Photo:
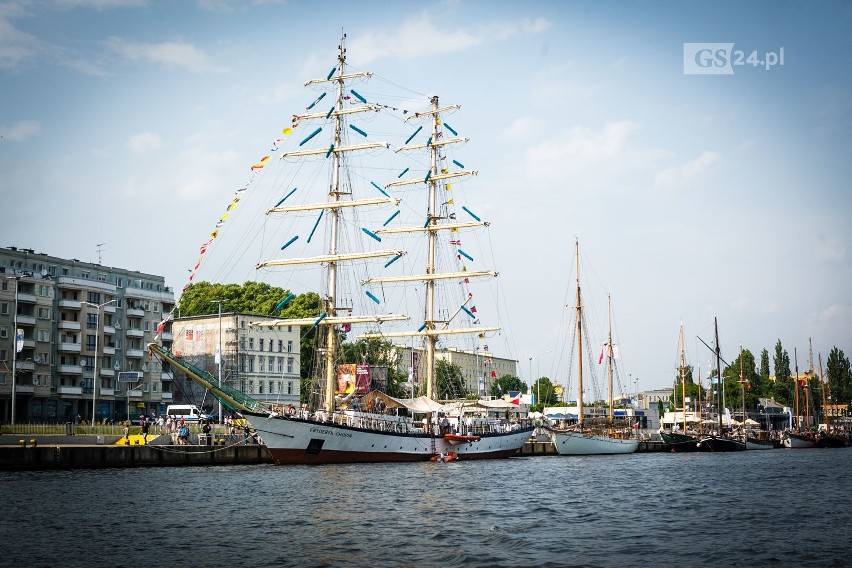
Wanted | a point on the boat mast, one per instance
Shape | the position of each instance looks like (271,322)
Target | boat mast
(579,344)
(682,379)
(796,386)
(742,389)
(609,363)
(432,238)
(334,195)
(823,382)
(721,382)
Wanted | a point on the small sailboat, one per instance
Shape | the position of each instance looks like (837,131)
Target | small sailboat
(346,259)
(795,437)
(722,441)
(580,440)
(752,442)
(679,442)
(828,438)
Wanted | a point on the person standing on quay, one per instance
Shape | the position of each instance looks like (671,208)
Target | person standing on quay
(145,428)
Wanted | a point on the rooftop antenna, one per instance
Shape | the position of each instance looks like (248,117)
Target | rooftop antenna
(100,250)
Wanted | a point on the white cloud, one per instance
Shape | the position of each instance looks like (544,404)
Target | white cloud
(418,36)
(580,148)
(21,130)
(830,248)
(740,304)
(168,54)
(144,141)
(680,177)
(16,46)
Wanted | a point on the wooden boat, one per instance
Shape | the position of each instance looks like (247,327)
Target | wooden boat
(679,442)
(460,438)
(578,440)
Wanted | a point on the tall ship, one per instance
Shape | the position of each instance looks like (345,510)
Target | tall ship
(387,231)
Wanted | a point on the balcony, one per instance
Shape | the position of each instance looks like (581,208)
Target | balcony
(70,347)
(67,324)
(27,365)
(167,336)
(67,282)
(105,391)
(134,333)
(109,309)
(27,320)
(71,304)
(106,373)
(167,376)
(135,313)
(136,393)
(136,353)
(24,389)
(69,390)
(109,350)
(109,330)
(69,369)
(25,298)
(29,343)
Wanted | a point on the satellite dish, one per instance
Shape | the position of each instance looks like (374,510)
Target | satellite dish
(117,367)
(37,358)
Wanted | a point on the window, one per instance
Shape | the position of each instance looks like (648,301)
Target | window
(260,387)
(289,365)
(91,321)
(280,365)
(90,342)
(4,285)
(4,309)
(93,297)
(280,346)
(260,341)
(44,313)
(144,387)
(251,364)
(289,387)
(243,363)
(4,332)
(2,378)
(2,354)
(251,387)
(271,387)
(251,343)
(44,291)
(289,346)
(270,346)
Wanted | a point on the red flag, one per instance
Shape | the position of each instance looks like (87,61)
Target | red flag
(493,374)
(600,359)
(473,309)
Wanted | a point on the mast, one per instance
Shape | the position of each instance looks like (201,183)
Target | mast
(796,383)
(682,378)
(721,382)
(824,385)
(433,327)
(742,390)
(579,344)
(609,363)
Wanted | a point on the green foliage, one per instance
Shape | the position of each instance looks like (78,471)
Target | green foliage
(839,375)
(450,382)
(507,383)
(545,394)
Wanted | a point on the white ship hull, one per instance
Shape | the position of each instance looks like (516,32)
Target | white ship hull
(579,444)
(794,441)
(299,441)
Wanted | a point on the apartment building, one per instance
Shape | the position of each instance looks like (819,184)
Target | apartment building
(262,362)
(73,340)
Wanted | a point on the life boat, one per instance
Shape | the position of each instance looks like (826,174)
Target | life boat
(447,457)
(460,439)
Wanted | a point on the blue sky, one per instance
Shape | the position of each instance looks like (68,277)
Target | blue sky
(131,123)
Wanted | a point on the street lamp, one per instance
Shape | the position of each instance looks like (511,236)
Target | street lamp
(538,369)
(219,353)
(96,385)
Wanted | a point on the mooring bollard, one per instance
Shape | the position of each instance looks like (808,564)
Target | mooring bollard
(23,443)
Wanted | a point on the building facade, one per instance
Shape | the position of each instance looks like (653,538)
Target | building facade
(479,368)
(262,362)
(73,340)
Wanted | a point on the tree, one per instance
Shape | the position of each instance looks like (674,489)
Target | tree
(839,375)
(733,388)
(450,382)
(505,384)
(545,394)
(783,388)
(764,365)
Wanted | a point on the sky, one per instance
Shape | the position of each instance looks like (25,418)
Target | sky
(694,196)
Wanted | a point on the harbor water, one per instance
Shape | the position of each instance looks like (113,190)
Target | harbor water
(770,508)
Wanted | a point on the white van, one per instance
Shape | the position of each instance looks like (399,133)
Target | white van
(189,412)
